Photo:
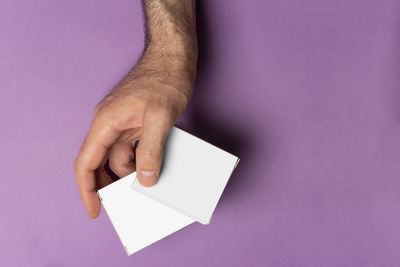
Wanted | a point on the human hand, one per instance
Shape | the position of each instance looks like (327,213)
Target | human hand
(143,106)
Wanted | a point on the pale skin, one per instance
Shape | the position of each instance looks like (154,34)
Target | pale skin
(143,106)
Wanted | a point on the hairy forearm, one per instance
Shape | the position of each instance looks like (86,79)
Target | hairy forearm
(170,26)
(171,35)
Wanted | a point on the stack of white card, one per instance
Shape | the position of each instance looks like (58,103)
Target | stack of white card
(192,179)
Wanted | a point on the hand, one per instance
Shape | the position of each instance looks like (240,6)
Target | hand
(144,106)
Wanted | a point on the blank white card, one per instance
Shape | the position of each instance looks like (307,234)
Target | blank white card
(192,179)
(138,220)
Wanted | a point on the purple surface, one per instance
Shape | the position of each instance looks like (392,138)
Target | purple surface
(305,92)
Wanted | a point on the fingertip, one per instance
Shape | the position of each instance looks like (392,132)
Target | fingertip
(92,205)
(93,214)
(147,178)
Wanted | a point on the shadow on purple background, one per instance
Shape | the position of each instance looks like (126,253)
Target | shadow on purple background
(225,133)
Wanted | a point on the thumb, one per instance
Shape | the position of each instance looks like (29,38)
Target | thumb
(149,153)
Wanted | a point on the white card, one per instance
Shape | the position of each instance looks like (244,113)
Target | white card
(193,176)
(138,220)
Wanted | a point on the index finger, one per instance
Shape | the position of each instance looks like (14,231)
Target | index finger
(93,150)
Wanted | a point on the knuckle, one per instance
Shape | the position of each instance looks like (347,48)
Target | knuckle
(79,166)
(100,106)
(146,155)
(76,165)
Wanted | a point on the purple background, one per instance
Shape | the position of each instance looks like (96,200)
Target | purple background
(305,92)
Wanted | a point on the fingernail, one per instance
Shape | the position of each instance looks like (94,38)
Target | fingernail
(147,178)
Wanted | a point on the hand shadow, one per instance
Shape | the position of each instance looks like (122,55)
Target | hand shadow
(224,133)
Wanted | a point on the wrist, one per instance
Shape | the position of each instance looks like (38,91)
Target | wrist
(178,57)
(173,46)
